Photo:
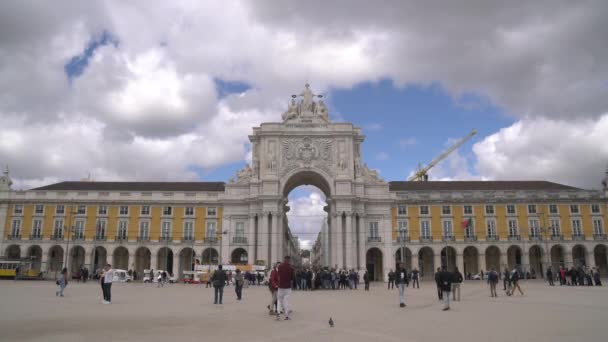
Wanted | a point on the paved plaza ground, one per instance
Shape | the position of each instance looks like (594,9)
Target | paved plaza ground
(31,312)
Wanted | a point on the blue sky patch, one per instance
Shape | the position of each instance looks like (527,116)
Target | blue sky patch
(77,64)
(225,88)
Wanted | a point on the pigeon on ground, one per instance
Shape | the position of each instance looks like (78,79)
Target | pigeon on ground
(331,322)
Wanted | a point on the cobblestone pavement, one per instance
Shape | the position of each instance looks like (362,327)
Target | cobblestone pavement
(30,311)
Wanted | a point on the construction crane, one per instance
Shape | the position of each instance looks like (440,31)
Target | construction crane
(421,173)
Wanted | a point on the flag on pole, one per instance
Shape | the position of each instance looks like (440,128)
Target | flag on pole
(467,223)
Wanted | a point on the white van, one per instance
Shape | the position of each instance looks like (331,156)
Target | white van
(146,279)
(121,276)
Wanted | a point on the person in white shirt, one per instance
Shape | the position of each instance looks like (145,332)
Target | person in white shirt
(106,283)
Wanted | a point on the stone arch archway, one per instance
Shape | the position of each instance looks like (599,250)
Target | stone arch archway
(535,255)
(120,258)
(209,256)
(579,255)
(35,255)
(407,261)
(239,256)
(13,252)
(600,255)
(471,258)
(99,258)
(448,258)
(77,254)
(143,260)
(493,258)
(514,257)
(374,262)
(165,260)
(426,262)
(186,260)
(55,258)
(557,256)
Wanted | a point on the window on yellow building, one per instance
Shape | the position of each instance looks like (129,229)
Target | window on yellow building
(598,227)
(402,210)
(531,208)
(144,230)
(491,228)
(81,210)
(124,210)
(16,228)
(18,209)
(576,227)
(145,210)
(188,230)
(425,229)
(468,210)
(373,230)
(489,209)
(240,230)
(211,212)
(39,209)
(103,210)
(574,209)
(211,231)
(167,211)
(469,227)
(100,230)
(122,229)
(595,208)
(513,231)
(79,230)
(37,229)
(555,227)
(60,209)
(189,211)
(424,210)
(511,209)
(553,209)
(448,231)
(446,210)
(58,229)
(534,228)
(402,230)
(165,233)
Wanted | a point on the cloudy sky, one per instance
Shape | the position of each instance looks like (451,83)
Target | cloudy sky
(169,90)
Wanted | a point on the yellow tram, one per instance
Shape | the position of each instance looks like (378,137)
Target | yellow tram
(8,269)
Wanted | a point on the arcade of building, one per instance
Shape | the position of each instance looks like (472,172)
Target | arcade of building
(371,223)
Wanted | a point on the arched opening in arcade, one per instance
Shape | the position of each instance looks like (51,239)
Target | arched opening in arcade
(535,255)
(210,256)
(187,258)
(579,255)
(239,257)
(514,257)
(35,255)
(557,257)
(143,258)
(471,260)
(492,258)
(448,258)
(99,258)
(407,261)
(374,262)
(120,258)
(306,194)
(426,262)
(13,252)
(165,260)
(600,254)
(55,259)
(76,259)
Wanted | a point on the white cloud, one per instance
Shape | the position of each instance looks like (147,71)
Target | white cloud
(407,142)
(306,215)
(573,153)
(381,156)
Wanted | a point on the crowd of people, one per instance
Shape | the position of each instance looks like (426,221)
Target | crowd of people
(574,276)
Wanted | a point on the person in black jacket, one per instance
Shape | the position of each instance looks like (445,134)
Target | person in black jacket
(219,281)
(445,285)
(391,280)
(456,285)
(401,280)
(439,292)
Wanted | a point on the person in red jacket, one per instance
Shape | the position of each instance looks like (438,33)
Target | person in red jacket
(273,286)
(286,276)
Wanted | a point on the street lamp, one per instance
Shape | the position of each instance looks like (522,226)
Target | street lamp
(225,232)
(70,230)
(545,231)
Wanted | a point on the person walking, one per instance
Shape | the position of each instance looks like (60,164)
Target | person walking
(62,282)
(550,276)
(456,285)
(445,285)
(286,275)
(219,281)
(366,280)
(391,280)
(107,276)
(515,283)
(273,286)
(401,280)
(161,283)
(493,280)
(506,280)
(439,291)
(239,281)
(416,278)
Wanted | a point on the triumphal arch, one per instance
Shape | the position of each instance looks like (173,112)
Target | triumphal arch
(306,148)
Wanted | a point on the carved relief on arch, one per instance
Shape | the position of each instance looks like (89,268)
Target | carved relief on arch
(307,152)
